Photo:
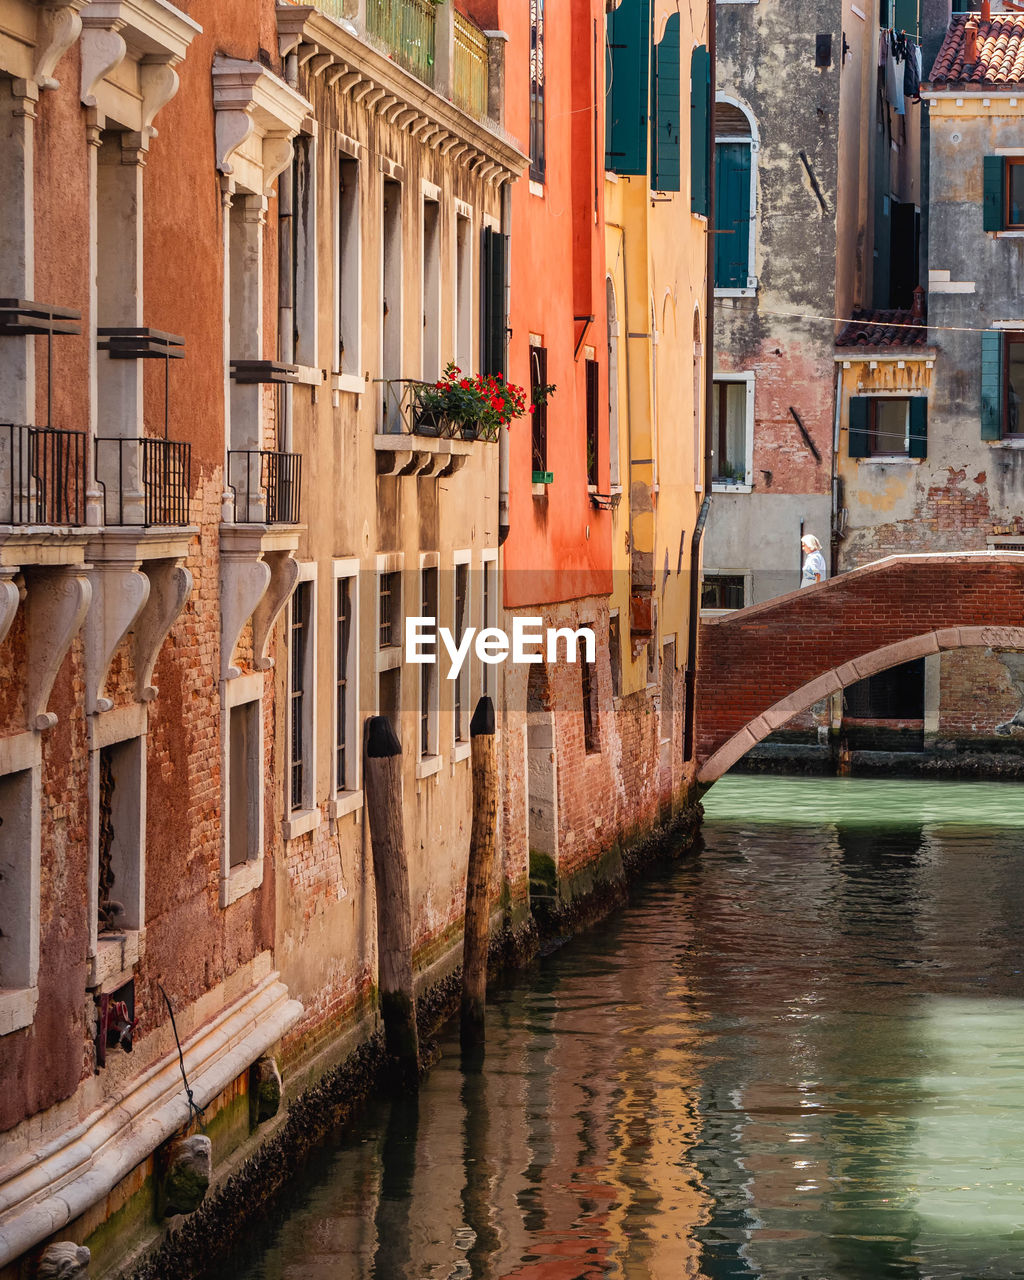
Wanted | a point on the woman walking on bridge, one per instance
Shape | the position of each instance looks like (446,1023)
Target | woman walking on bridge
(814,562)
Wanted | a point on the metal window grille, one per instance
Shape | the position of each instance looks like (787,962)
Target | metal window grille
(461,591)
(428,609)
(42,475)
(537,157)
(488,592)
(390,597)
(539,424)
(266,486)
(590,741)
(592,403)
(469,68)
(299,640)
(615,651)
(343,637)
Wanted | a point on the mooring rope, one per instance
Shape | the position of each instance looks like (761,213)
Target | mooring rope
(193,1107)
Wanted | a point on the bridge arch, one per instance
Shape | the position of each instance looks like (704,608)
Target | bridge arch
(763,665)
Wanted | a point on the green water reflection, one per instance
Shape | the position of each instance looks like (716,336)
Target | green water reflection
(800,1056)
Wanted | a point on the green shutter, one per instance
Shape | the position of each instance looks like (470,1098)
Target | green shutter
(993,193)
(918,427)
(665,72)
(858,433)
(906,17)
(732,215)
(494,287)
(626,88)
(991,385)
(700,130)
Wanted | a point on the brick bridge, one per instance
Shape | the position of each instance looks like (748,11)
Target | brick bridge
(761,666)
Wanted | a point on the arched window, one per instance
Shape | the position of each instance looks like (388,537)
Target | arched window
(736,146)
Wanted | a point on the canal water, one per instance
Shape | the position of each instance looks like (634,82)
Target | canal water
(799,1056)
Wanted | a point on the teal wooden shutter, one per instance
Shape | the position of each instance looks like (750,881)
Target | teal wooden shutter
(993,193)
(627,86)
(906,17)
(991,385)
(732,215)
(858,433)
(665,174)
(918,427)
(494,284)
(700,131)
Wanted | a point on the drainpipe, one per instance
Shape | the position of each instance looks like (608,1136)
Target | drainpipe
(504,518)
(690,675)
(286,272)
(834,548)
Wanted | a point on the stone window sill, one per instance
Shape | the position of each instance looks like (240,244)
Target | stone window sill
(736,293)
(460,752)
(17,1009)
(350,382)
(343,803)
(240,880)
(115,960)
(1010,442)
(724,486)
(389,658)
(427,766)
(894,459)
(299,822)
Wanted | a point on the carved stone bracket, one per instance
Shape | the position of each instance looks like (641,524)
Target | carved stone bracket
(58,26)
(56,603)
(170,585)
(10,598)
(249,99)
(119,592)
(394,462)
(244,580)
(284,574)
(103,49)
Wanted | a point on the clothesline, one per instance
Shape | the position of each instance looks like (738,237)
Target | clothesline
(883,324)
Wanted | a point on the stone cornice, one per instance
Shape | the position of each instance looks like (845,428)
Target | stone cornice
(351,65)
(149,28)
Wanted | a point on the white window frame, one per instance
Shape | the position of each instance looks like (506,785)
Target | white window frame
(347,368)
(489,614)
(463,282)
(391,347)
(348,794)
(306,300)
(460,743)
(430,285)
(22,754)
(747,485)
(754,142)
(389,658)
(237,881)
(111,963)
(428,762)
(307,817)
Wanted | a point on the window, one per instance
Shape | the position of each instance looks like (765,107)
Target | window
(489,613)
(431,362)
(700,131)
(588,684)
(539,417)
(464,293)
(668,691)
(537,156)
(302,286)
(348,271)
(244,789)
(895,694)
(494,302)
(665,109)
(346,676)
(735,194)
(1002,385)
(460,621)
(614,477)
(1003,193)
(732,410)
(627,86)
(722,591)
(391,303)
(593,400)
(389,639)
(887,427)
(428,670)
(300,702)
(615,654)
(20,806)
(389,609)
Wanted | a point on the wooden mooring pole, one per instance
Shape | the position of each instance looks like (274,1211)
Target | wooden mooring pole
(482,843)
(383,778)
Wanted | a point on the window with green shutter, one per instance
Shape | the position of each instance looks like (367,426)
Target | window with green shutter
(905,17)
(859,435)
(732,215)
(917,440)
(994,193)
(627,86)
(991,385)
(494,288)
(665,75)
(700,131)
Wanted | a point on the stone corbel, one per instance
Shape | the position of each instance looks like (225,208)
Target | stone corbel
(320,63)
(455,463)
(119,593)
(10,598)
(170,585)
(434,464)
(159,85)
(243,583)
(58,26)
(284,574)
(394,462)
(230,131)
(277,155)
(55,607)
(347,80)
(103,49)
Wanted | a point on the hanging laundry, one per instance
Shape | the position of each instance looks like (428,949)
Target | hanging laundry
(894,72)
(912,72)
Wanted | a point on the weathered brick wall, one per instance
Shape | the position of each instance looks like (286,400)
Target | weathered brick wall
(977,694)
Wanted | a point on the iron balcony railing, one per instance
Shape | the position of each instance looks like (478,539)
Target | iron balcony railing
(42,476)
(406,29)
(144,482)
(405,409)
(469,68)
(266,485)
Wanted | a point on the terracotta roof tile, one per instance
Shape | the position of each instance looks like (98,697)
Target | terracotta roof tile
(883,328)
(1000,52)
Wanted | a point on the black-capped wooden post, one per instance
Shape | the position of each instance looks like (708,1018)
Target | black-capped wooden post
(482,842)
(391,876)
